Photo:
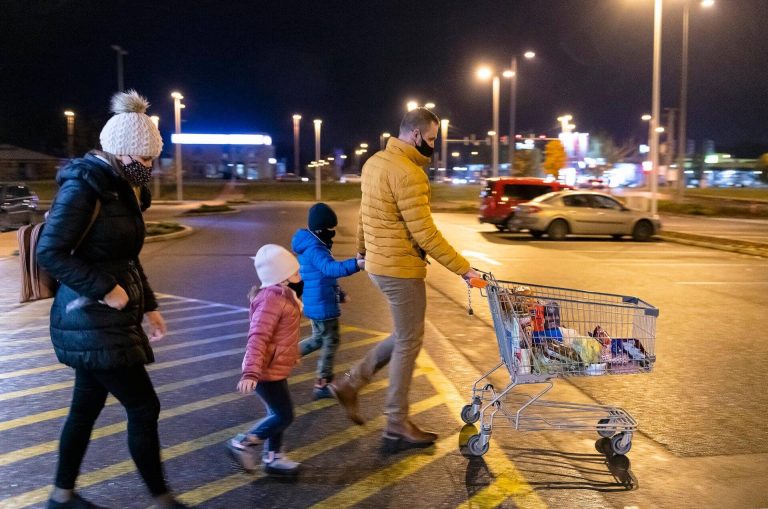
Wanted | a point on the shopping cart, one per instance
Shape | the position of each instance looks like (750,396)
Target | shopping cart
(546,332)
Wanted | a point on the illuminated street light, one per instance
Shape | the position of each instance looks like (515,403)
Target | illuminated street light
(363,145)
(177,97)
(484,73)
(70,133)
(155,162)
(318,124)
(296,162)
(411,105)
(430,106)
(444,141)
(512,75)
(383,140)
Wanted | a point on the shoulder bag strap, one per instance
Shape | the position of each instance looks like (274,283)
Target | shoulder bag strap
(90,224)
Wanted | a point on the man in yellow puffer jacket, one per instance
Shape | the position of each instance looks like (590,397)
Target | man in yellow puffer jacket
(395,235)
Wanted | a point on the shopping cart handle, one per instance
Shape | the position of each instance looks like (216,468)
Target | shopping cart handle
(477,282)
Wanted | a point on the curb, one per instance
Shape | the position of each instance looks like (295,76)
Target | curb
(184,232)
(733,247)
(202,214)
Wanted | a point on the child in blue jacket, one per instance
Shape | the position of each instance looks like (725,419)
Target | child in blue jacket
(322,294)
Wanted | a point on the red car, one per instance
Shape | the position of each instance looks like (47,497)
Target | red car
(500,195)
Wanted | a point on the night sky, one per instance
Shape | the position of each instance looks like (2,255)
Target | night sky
(247,66)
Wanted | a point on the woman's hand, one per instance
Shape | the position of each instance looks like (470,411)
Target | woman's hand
(246,385)
(157,328)
(116,298)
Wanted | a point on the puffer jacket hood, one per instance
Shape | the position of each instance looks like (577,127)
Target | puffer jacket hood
(273,336)
(320,272)
(396,230)
(86,333)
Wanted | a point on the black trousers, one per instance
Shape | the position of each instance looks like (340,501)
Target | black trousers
(133,388)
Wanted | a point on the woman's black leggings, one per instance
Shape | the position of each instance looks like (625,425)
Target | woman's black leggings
(133,388)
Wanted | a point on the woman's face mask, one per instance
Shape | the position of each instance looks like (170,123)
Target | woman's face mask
(136,173)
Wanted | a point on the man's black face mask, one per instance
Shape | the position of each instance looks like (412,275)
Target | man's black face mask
(424,148)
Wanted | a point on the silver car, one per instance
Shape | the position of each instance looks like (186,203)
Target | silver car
(583,213)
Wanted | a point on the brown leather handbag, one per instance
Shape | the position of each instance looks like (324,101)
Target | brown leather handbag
(36,284)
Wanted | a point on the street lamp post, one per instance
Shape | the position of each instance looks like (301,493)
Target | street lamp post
(156,163)
(296,162)
(120,52)
(444,142)
(682,142)
(70,133)
(383,140)
(318,172)
(655,105)
(177,97)
(484,73)
(512,75)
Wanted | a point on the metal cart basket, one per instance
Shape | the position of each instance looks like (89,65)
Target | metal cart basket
(546,332)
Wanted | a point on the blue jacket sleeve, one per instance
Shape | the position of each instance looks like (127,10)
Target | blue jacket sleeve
(325,263)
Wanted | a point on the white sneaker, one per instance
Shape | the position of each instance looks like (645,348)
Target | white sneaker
(278,463)
(246,450)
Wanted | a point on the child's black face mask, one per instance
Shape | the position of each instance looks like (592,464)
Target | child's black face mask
(297,287)
(326,235)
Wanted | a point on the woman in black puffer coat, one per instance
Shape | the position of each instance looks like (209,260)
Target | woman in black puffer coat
(97,314)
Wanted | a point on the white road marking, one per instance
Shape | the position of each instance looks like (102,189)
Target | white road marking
(480,256)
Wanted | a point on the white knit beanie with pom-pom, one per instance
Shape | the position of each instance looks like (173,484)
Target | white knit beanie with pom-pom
(130,131)
(274,264)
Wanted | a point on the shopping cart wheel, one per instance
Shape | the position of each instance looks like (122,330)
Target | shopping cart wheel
(618,447)
(602,431)
(468,414)
(476,446)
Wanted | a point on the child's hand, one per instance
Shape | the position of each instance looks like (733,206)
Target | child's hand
(246,385)
(361,263)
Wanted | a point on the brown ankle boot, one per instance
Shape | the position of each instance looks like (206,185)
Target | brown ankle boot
(346,395)
(408,432)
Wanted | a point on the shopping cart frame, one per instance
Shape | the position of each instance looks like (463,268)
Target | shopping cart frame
(532,413)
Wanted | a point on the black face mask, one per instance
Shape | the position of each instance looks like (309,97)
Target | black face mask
(297,287)
(136,173)
(424,149)
(325,236)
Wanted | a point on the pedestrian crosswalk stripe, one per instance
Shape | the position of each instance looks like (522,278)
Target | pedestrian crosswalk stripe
(515,485)
(379,480)
(221,486)
(63,385)
(203,317)
(40,495)
(37,450)
(192,308)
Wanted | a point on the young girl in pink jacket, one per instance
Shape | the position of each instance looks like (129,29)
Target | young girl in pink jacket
(270,355)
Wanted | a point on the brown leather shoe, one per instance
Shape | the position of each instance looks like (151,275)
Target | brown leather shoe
(346,395)
(408,432)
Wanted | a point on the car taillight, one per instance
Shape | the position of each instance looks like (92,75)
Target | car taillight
(531,209)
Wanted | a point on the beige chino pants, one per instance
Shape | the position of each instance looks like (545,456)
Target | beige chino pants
(407,300)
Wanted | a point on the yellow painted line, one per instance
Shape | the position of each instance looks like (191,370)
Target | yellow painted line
(26,355)
(31,371)
(219,487)
(63,385)
(44,448)
(202,317)
(512,483)
(374,483)
(40,495)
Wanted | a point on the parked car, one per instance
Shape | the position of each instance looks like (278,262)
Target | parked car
(583,213)
(500,195)
(18,206)
(288,177)
(351,178)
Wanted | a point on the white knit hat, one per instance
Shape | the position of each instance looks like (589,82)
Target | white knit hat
(274,264)
(130,131)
